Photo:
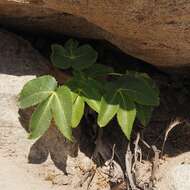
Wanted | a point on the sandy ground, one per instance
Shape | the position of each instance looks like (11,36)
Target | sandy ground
(13,176)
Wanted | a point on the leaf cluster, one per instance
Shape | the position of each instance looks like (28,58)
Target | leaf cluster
(128,96)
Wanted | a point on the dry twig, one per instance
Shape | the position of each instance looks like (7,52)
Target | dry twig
(137,152)
(170,127)
(128,163)
(155,165)
(112,169)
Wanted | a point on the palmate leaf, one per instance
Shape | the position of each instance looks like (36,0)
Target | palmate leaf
(150,82)
(36,90)
(62,110)
(73,56)
(139,90)
(146,78)
(126,114)
(89,90)
(83,90)
(77,110)
(116,102)
(108,108)
(59,57)
(71,45)
(41,119)
(83,57)
(109,104)
(97,71)
(144,114)
(91,93)
(57,106)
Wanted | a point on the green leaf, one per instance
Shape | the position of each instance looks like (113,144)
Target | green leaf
(91,94)
(150,82)
(146,78)
(77,111)
(83,57)
(62,110)
(98,70)
(59,57)
(89,90)
(41,119)
(139,90)
(108,108)
(73,56)
(126,114)
(144,114)
(71,45)
(36,90)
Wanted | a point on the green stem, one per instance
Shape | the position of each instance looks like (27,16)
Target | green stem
(116,74)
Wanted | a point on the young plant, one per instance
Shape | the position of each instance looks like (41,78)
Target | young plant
(127,96)
(53,103)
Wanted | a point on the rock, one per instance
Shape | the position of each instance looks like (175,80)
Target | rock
(174,173)
(19,62)
(180,177)
(156,31)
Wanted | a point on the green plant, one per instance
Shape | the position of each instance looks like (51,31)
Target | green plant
(125,96)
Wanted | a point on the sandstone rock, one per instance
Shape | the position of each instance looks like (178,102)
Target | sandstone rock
(174,173)
(180,177)
(19,62)
(154,31)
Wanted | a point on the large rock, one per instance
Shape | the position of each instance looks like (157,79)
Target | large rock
(155,31)
(174,173)
(180,177)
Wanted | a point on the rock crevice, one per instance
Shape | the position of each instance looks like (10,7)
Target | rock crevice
(156,31)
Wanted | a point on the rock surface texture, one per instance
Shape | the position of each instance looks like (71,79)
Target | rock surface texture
(155,31)
(182,174)
(174,174)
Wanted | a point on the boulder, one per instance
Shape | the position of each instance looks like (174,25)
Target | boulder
(154,31)
(180,177)
(174,173)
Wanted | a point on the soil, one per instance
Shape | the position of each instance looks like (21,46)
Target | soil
(42,164)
